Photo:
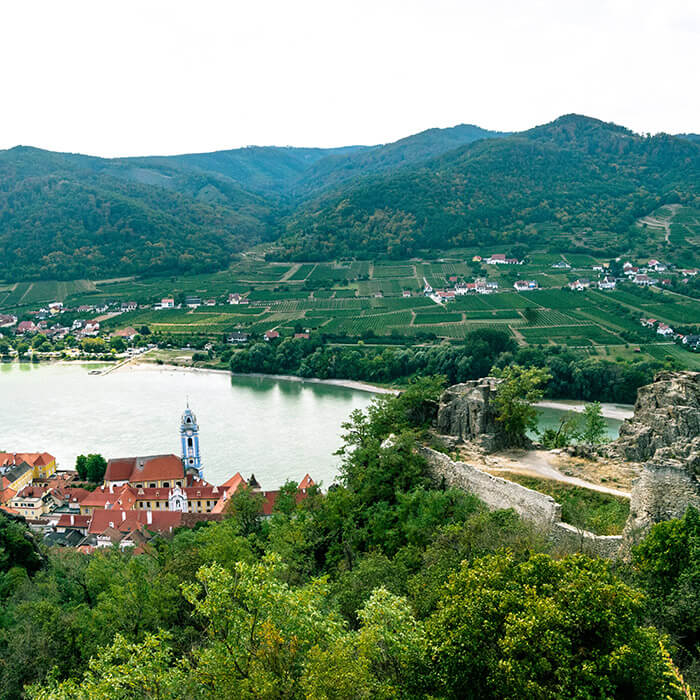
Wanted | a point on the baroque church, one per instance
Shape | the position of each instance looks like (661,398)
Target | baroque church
(156,485)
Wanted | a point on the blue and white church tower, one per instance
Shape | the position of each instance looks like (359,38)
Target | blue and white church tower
(189,439)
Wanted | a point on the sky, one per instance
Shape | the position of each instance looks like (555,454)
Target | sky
(143,77)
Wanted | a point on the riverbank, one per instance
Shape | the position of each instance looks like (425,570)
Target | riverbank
(344,383)
(608,410)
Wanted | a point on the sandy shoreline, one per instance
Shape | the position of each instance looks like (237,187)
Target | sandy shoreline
(345,383)
(608,410)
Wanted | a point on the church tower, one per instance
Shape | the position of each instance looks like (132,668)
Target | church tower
(189,438)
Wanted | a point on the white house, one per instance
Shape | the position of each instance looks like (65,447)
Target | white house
(663,329)
(607,283)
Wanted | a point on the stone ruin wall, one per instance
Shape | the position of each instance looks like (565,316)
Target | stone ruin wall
(533,506)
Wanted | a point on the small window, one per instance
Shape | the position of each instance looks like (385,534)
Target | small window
(189,442)
(152,485)
(166,484)
(178,483)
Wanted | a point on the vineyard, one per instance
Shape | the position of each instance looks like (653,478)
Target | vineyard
(358,298)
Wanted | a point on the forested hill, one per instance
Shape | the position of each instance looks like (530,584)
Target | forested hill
(337,168)
(265,169)
(66,216)
(577,175)
(577,183)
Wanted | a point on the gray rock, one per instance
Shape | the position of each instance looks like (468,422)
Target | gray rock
(664,434)
(467,412)
(666,412)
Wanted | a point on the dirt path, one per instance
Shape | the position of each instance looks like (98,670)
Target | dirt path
(665,224)
(541,463)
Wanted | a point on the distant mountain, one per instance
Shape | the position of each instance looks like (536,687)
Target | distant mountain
(575,182)
(589,178)
(689,137)
(67,216)
(336,168)
(266,169)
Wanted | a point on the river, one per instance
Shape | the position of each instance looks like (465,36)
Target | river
(277,429)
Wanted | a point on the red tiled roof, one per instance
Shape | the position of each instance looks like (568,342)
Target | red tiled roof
(128,520)
(73,520)
(199,491)
(152,468)
(31,491)
(99,498)
(307,482)
(33,459)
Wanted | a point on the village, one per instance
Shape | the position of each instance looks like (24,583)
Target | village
(139,498)
(114,328)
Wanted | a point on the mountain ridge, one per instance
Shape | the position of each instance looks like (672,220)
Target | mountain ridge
(70,215)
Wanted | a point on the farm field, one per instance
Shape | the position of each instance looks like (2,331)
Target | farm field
(385,298)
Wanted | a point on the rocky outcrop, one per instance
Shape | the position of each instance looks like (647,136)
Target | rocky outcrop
(664,434)
(666,414)
(467,412)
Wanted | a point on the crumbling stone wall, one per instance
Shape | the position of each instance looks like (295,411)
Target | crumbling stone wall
(532,506)
(492,490)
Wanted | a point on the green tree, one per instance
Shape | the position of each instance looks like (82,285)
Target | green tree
(386,658)
(124,671)
(258,629)
(545,629)
(518,390)
(595,429)
(81,467)
(117,343)
(93,345)
(564,434)
(667,565)
(245,507)
(95,468)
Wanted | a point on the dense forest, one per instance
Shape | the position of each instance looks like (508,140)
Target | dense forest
(571,375)
(383,587)
(576,184)
(578,175)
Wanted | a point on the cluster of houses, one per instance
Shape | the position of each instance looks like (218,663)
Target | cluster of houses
(582,283)
(690,341)
(479,286)
(140,497)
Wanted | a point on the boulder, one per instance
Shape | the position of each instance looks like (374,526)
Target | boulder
(666,412)
(467,412)
(664,434)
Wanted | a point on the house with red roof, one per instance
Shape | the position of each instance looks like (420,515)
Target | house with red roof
(151,471)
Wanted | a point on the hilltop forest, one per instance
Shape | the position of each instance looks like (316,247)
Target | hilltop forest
(577,184)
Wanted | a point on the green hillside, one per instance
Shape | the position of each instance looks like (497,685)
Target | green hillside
(577,183)
(64,216)
(341,167)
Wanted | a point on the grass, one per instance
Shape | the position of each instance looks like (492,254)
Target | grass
(600,513)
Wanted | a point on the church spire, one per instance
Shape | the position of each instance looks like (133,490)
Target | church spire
(189,439)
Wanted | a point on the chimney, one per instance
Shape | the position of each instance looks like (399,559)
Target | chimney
(111,487)
(123,515)
(72,519)
(149,517)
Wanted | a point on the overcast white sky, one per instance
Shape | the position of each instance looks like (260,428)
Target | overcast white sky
(136,77)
